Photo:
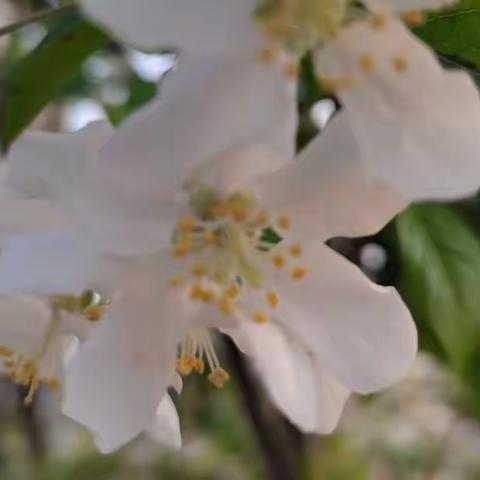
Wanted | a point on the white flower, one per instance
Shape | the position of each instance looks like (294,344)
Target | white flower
(413,120)
(36,334)
(210,234)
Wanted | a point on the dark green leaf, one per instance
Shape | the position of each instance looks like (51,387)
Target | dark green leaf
(39,77)
(439,278)
(455,32)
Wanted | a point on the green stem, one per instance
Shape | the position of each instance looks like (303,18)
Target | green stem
(37,17)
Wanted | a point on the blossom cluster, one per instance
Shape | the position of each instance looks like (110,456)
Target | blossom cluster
(122,250)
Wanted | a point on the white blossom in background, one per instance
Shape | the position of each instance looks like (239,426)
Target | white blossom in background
(192,216)
(412,119)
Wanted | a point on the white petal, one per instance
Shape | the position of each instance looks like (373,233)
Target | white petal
(361,333)
(297,384)
(192,25)
(414,123)
(213,107)
(22,215)
(407,5)
(47,165)
(326,192)
(23,323)
(166,425)
(119,376)
(63,169)
(44,263)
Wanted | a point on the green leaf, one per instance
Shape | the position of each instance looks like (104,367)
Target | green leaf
(439,279)
(455,32)
(33,82)
(141,92)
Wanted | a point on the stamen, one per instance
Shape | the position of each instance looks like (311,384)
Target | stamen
(199,270)
(296,250)
(298,273)
(208,296)
(232,292)
(187,224)
(336,84)
(272,299)
(94,313)
(378,21)
(219,377)
(227,306)
(400,63)
(413,18)
(283,222)
(260,317)
(196,292)
(278,261)
(367,63)
(6,352)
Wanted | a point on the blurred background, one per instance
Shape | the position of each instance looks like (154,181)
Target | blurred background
(59,74)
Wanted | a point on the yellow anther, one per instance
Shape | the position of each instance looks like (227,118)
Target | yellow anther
(268,55)
(185,365)
(238,212)
(367,63)
(299,272)
(378,21)
(211,239)
(199,366)
(199,270)
(9,363)
(336,84)
(262,219)
(260,317)
(176,281)
(278,261)
(6,352)
(94,313)
(219,210)
(218,377)
(413,18)
(296,250)
(276,31)
(187,224)
(232,292)
(34,384)
(196,292)
(283,222)
(182,249)
(272,299)
(400,63)
(227,306)
(291,70)
(207,296)
(52,384)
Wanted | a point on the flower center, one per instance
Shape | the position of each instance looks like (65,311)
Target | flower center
(40,364)
(219,248)
(300,25)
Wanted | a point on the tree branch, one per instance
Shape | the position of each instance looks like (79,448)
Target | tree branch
(273,437)
(37,17)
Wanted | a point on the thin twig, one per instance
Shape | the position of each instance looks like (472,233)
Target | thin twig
(37,17)
(273,438)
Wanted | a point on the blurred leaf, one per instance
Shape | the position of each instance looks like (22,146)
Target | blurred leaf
(34,81)
(455,32)
(439,249)
(440,271)
(141,92)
